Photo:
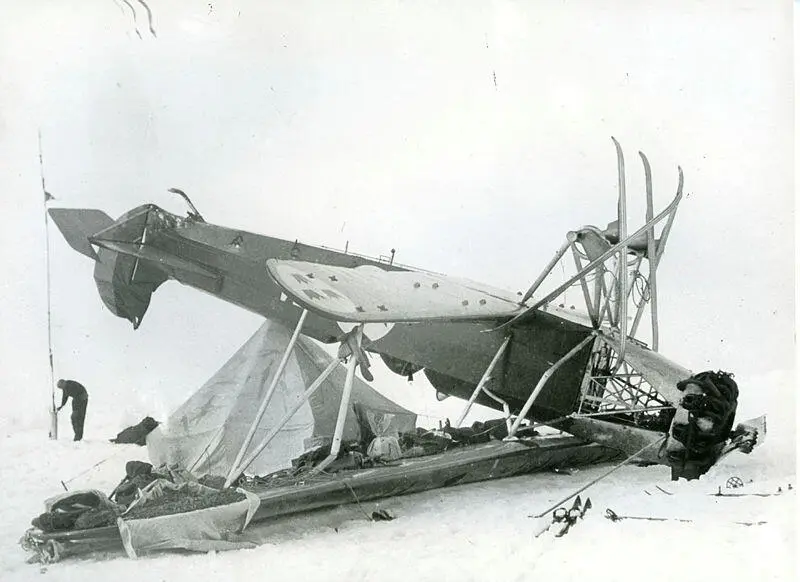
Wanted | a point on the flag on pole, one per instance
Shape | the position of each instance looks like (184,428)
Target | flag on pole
(53,433)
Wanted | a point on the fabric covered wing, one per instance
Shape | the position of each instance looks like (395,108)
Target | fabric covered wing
(370,294)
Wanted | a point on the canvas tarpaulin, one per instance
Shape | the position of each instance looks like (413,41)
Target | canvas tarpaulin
(206,432)
(201,530)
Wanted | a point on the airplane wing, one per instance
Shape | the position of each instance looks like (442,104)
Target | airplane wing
(369,294)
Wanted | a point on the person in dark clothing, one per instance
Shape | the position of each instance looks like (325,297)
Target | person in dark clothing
(80,399)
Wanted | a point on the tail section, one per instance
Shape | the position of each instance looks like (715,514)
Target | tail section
(78,225)
(124,281)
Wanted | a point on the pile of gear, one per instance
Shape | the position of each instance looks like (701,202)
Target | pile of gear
(374,451)
(144,492)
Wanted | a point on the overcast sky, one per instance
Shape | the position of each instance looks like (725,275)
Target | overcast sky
(470,136)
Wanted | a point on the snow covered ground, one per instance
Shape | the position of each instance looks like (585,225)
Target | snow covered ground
(474,532)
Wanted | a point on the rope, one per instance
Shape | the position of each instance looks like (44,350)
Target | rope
(205,450)
(97,464)
(346,484)
(641,289)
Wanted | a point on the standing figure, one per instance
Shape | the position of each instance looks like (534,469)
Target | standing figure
(80,398)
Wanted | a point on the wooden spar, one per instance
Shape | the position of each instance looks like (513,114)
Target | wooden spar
(268,396)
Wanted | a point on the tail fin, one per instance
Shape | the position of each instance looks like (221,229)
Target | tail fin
(124,279)
(78,224)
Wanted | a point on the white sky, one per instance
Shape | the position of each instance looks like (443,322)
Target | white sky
(470,136)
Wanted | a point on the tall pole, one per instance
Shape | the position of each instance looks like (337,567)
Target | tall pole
(45,199)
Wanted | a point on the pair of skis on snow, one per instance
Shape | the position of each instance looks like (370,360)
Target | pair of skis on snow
(563,519)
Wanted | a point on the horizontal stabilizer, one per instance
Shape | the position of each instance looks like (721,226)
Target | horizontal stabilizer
(167,262)
(78,224)
(370,294)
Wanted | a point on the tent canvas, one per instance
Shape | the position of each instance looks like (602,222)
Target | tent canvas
(205,433)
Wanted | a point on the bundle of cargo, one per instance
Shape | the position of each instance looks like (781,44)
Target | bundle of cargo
(149,510)
(188,516)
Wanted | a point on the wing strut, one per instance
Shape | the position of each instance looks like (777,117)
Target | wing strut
(288,416)
(559,253)
(351,347)
(353,342)
(267,397)
(543,380)
(484,379)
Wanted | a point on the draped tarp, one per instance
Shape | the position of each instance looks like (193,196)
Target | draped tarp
(206,432)
(202,530)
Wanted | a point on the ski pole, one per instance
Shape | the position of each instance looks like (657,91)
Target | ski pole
(610,514)
(614,517)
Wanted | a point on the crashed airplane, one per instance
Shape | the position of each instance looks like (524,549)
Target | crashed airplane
(536,361)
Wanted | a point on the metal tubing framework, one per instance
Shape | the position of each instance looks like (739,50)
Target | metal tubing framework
(484,379)
(268,396)
(612,388)
(543,380)
(613,250)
